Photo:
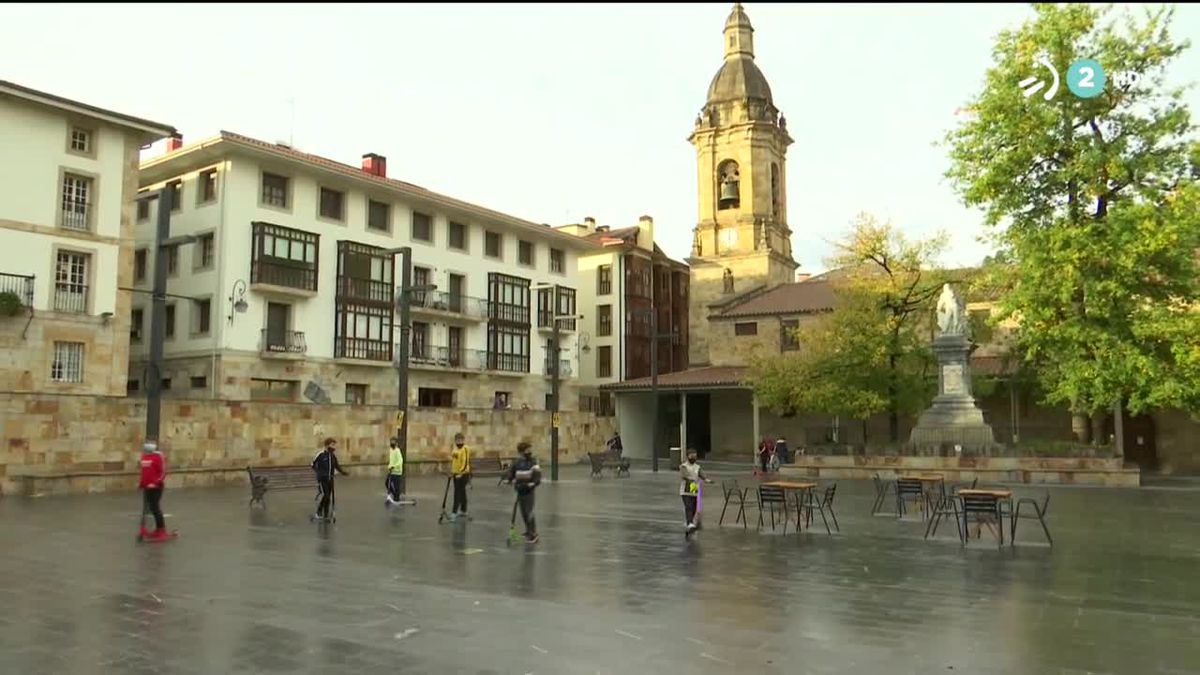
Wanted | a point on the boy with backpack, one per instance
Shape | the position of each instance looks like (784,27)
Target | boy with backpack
(526,475)
(324,465)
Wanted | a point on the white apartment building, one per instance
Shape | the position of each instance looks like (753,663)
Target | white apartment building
(288,293)
(68,176)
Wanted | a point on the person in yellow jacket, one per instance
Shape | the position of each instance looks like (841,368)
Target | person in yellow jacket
(395,474)
(460,472)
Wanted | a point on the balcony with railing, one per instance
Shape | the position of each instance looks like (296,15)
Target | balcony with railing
(442,303)
(564,368)
(282,343)
(437,356)
(75,214)
(284,259)
(70,297)
(545,321)
(20,285)
(362,349)
(366,290)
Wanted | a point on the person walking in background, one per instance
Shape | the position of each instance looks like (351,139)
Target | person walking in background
(460,472)
(764,454)
(395,476)
(614,444)
(152,483)
(324,465)
(690,476)
(526,475)
(782,453)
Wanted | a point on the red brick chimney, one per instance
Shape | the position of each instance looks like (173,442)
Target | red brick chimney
(374,164)
(174,142)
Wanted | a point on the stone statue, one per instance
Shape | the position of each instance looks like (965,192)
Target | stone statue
(697,243)
(712,116)
(764,242)
(782,122)
(951,314)
(728,279)
(699,121)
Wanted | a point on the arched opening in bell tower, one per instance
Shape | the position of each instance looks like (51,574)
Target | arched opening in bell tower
(728,185)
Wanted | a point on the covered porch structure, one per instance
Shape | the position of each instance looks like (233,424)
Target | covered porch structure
(709,409)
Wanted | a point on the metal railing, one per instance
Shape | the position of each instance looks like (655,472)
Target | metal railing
(20,285)
(277,273)
(454,303)
(369,290)
(468,359)
(74,214)
(564,367)
(276,341)
(69,297)
(362,348)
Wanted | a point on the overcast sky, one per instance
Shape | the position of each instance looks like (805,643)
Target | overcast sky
(553,112)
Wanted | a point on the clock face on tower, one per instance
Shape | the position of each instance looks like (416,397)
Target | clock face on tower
(729,238)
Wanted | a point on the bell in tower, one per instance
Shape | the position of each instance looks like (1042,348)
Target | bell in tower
(730,186)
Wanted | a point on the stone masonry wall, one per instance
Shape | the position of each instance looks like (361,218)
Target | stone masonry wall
(212,441)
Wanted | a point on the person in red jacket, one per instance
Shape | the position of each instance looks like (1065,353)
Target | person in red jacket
(154,474)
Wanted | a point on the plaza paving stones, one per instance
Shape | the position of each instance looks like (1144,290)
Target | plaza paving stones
(613,587)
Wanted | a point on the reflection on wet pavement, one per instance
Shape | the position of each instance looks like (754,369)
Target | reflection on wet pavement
(613,587)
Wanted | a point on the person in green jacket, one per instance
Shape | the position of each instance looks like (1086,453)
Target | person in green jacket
(395,475)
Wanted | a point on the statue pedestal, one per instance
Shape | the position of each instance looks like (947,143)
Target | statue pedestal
(953,419)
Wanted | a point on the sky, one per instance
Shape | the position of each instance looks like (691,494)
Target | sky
(555,112)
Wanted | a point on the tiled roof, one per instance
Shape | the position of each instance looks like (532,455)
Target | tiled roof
(415,191)
(613,237)
(802,297)
(694,378)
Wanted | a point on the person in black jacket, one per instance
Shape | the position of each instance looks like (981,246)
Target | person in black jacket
(324,465)
(526,475)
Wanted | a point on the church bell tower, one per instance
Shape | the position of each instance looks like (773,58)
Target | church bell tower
(741,240)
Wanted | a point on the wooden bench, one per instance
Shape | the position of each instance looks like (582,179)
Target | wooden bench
(608,460)
(489,467)
(264,478)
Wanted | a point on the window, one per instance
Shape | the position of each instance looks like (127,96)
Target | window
(492,244)
(356,394)
(81,141)
(603,319)
(362,331)
(71,282)
(525,252)
(201,316)
(175,194)
(420,341)
(166,384)
(422,227)
(379,216)
(747,328)
(502,400)
(331,205)
(143,209)
(787,338)
(172,260)
(604,361)
(604,280)
(169,328)
(273,390)
(508,323)
(139,265)
(206,251)
(458,236)
(274,190)
(284,257)
(68,362)
(564,307)
(137,319)
(435,398)
(132,386)
(365,273)
(558,261)
(199,382)
(420,277)
(207,186)
(76,201)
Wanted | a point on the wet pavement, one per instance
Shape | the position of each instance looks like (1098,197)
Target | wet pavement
(613,587)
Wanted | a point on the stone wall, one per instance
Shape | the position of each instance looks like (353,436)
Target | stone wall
(727,348)
(93,443)
(1039,470)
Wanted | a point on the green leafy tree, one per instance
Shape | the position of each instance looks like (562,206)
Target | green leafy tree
(1094,209)
(870,354)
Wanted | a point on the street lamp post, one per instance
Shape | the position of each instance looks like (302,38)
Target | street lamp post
(654,338)
(404,308)
(158,308)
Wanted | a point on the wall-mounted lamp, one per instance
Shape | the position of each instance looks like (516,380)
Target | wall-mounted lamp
(237,300)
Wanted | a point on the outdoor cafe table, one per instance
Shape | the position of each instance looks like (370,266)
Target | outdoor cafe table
(801,488)
(998,493)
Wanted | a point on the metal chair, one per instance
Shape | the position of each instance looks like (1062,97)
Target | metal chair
(1039,512)
(772,496)
(821,504)
(984,508)
(909,487)
(947,505)
(881,490)
(733,492)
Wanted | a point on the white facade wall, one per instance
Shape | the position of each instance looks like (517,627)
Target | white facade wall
(33,156)
(238,205)
(589,296)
